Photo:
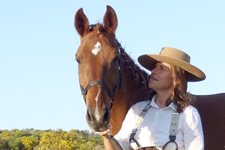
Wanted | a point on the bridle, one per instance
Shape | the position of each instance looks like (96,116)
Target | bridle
(110,92)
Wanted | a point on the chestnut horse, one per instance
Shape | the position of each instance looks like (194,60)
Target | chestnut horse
(111,82)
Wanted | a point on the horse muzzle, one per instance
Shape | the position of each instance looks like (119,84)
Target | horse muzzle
(98,120)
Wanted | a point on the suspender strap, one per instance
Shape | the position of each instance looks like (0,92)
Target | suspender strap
(142,115)
(174,126)
(138,122)
(173,129)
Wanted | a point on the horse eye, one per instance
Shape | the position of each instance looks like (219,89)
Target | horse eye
(78,61)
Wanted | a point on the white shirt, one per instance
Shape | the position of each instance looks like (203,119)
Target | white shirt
(155,128)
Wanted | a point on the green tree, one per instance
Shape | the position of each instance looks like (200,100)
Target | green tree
(57,140)
(30,142)
(30,139)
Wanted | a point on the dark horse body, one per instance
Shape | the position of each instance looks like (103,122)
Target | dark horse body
(212,112)
(111,82)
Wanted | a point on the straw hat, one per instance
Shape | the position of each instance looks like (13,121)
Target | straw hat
(175,57)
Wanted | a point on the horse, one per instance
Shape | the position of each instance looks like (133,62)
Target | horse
(111,82)
(108,77)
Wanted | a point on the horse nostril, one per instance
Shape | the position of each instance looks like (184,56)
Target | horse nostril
(106,116)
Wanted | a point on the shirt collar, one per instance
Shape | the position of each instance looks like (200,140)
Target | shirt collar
(172,105)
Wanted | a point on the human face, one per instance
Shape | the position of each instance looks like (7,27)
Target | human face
(161,77)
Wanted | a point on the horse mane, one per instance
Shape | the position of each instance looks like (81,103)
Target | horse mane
(139,75)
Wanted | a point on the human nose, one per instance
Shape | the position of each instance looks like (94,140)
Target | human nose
(154,70)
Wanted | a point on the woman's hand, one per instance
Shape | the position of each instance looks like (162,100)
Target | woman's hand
(109,141)
(106,133)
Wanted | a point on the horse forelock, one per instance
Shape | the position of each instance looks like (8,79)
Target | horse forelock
(97,28)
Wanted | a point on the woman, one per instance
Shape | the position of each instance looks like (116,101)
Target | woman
(168,121)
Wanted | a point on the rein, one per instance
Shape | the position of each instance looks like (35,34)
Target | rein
(110,92)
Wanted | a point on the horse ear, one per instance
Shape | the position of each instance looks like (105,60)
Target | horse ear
(110,20)
(81,22)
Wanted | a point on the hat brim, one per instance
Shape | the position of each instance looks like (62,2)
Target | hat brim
(193,73)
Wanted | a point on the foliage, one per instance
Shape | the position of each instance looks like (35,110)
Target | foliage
(30,139)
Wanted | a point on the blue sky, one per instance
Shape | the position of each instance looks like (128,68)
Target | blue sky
(39,85)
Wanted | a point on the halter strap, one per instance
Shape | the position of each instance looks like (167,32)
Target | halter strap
(102,84)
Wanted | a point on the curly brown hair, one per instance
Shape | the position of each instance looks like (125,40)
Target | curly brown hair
(180,96)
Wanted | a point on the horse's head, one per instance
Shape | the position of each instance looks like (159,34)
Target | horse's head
(99,71)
